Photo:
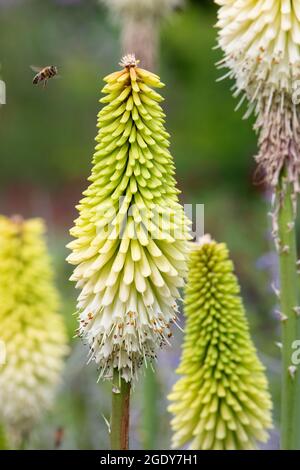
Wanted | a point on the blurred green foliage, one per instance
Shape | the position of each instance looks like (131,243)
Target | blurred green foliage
(47,135)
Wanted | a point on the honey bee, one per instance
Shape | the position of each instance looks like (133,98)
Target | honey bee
(44,74)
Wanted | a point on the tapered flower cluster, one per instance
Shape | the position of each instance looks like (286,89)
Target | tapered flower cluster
(131,234)
(261,42)
(30,328)
(222,399)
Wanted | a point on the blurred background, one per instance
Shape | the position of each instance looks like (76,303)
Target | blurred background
(46,145)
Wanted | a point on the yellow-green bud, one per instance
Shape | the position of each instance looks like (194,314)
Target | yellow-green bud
(221,402)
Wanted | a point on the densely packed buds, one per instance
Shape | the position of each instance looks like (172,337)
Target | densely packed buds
(131,235)
(30,328)
(221,401)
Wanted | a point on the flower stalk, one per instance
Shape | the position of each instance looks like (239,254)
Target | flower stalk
(131,237)
(289,301)
(150,418)
(119,426)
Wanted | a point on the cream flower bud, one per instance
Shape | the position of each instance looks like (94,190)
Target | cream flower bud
(261,41)
(32,332)
(131,234)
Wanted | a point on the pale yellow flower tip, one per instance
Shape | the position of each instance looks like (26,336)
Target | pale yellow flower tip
(203,240)
(129,60)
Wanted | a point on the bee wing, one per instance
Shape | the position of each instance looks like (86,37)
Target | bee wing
(36,69)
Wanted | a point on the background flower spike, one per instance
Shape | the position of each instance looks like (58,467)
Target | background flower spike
(222,399)
(261,45)
(33,333)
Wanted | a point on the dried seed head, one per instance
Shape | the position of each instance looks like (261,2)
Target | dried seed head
(279,140)
(261,43)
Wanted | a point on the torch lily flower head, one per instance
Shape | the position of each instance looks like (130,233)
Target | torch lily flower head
(261,43)
(31,331)
(131,235)
(221,401)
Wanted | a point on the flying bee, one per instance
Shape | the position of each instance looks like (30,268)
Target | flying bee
(44,74)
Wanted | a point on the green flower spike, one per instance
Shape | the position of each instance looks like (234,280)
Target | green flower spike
(221,402)
(131,234)
(30,329)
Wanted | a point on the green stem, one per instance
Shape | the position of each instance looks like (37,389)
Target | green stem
(150,411)
(289,299)
(3,439)
(23,444)
(119,433)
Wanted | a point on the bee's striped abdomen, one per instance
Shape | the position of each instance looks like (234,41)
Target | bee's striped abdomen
(36,79)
